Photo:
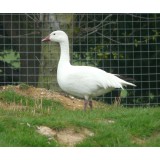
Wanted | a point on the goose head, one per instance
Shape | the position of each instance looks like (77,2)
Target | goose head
(56,36)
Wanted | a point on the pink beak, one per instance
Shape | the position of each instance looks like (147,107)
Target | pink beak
(46,39)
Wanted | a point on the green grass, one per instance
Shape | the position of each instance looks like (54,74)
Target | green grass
(130,127)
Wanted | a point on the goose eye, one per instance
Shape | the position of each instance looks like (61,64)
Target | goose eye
(54,34)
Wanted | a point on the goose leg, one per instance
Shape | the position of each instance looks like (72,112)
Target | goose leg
(85,104)
(91,104)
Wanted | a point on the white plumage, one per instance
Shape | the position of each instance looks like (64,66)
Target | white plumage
(82,81)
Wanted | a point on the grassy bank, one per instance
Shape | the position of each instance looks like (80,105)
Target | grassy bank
(20,116)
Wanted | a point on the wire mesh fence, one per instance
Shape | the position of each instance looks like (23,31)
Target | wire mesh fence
(124,44)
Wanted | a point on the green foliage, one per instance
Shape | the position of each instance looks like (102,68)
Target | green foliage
(123,93)
(11,57)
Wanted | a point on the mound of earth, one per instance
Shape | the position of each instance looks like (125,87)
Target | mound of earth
(68,101)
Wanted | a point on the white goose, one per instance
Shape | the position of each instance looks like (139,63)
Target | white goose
(82,81)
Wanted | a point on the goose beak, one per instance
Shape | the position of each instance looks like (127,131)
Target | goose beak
(46,39)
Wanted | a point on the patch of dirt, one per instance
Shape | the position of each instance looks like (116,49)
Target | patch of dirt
(143,141)
(108,121)
(69,136)
(46,131)
(137,140)
(68,101)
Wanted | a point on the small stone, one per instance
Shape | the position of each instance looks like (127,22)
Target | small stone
(71,97)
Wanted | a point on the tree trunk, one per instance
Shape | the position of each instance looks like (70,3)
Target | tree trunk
(50,52)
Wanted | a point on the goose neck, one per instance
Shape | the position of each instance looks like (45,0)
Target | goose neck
(65,57)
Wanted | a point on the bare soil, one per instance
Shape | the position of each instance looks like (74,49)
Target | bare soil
(68,136)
